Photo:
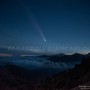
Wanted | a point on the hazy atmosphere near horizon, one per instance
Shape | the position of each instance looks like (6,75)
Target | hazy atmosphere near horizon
(50,26)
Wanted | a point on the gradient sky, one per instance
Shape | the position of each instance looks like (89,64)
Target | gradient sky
(62,22)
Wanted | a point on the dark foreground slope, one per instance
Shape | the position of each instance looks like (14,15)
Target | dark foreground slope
(13,77)
(71,79)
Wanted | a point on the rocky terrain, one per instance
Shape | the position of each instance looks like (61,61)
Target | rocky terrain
(71,79)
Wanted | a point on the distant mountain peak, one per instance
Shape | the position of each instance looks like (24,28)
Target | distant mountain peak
(88,54)
(75,54)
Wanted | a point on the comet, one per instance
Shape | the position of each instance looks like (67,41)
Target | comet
(43,37)
(31,18)
(39,30)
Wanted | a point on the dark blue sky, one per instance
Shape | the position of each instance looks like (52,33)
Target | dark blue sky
(60,22)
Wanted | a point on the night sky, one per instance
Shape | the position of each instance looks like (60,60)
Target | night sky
(45,24)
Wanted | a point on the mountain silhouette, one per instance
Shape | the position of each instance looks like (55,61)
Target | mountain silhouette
(71,79)
(67,58)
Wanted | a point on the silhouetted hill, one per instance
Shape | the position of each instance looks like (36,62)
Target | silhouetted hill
(13,77)
(67,58)
(52,55)
(72,78)
(88,55)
